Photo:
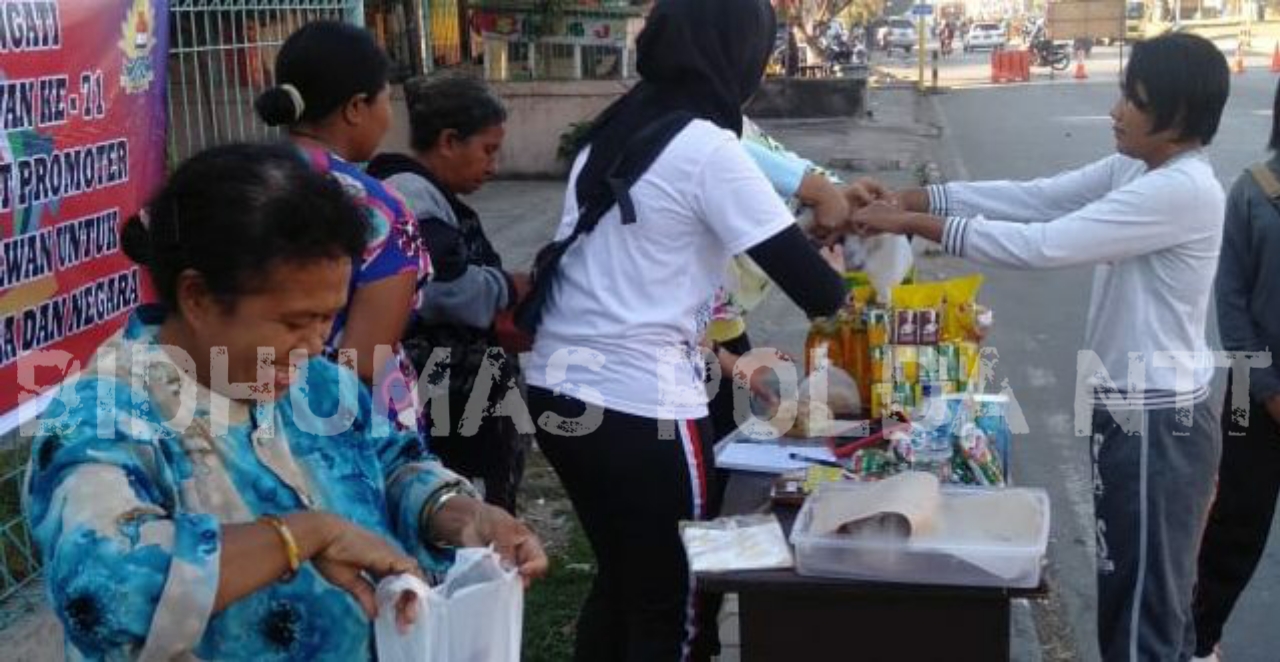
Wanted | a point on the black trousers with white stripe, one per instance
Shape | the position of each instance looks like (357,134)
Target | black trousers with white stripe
(1153,476)
(632,480)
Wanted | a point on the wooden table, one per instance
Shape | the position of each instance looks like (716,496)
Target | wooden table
(785,617)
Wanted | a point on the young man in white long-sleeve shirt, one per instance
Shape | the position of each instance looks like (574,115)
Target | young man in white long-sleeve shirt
(1151,218)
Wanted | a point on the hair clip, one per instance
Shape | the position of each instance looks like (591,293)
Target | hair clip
(299,104)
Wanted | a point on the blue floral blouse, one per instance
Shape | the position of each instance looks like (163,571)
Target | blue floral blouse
(137,466)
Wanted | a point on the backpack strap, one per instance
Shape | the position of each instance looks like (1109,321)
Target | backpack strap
(1267,180)
(626,170)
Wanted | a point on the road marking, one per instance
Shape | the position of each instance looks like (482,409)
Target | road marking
(957,171)
(1082,119)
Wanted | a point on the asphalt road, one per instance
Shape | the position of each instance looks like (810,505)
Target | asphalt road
(1023,131)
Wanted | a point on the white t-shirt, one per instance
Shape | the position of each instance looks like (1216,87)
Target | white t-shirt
(630,302)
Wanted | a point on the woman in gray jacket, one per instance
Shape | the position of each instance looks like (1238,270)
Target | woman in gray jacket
(456,127)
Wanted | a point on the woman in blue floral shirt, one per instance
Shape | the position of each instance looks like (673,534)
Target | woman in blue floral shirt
(197,492)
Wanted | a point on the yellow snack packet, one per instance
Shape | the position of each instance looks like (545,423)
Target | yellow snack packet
(917,296)
(959,315)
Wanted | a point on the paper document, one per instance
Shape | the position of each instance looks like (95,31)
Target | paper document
(767,457)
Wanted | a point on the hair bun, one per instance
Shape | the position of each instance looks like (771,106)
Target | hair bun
(135,240)
(280,105)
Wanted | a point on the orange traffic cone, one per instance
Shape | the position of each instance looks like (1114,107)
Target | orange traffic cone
(1275,59)
(1081,74)
(1238,66)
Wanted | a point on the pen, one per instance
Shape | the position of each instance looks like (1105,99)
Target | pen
(816,460)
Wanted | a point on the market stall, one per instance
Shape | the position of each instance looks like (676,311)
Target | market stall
(888,509)
(532,41)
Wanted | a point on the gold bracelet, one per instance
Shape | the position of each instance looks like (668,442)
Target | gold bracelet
(291,553)
(434,506)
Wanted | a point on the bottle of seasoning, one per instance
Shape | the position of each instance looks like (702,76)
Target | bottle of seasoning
(824,343)
(853,340)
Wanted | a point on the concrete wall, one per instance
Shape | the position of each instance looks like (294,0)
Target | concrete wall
(539,112)
(809,98)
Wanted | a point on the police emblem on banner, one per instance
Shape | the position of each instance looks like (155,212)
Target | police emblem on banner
(136,40)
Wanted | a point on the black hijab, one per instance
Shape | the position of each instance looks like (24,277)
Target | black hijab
(697,59)
(700,58)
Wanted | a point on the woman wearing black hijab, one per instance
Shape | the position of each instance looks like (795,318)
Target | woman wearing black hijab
(660,198)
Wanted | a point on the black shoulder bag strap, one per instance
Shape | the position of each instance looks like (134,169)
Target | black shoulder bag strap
(629,167)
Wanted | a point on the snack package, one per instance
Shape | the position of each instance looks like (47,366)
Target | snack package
(919,295)
(728,544)
(960,312)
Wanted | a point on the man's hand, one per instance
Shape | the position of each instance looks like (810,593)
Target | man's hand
(865,191)
(880,218)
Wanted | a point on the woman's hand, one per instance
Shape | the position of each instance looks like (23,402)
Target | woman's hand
(349,552)
(834,256)
(760,382)
(514,542)
(831,212)
(467,522)
(522,282)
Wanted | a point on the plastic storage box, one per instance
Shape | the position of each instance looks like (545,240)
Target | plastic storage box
(1016,563)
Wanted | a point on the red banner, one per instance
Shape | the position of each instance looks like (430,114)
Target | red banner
(82,135)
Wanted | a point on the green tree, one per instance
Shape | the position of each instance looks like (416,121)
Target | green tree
(813,15)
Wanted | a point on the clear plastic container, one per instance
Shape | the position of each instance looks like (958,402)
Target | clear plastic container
(958,561)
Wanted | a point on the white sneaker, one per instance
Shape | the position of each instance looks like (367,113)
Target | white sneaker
(1212,657)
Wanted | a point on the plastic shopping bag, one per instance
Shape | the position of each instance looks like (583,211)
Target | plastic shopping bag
(888,261)
(475,615)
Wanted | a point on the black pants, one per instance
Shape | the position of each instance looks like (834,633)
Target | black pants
(630,488)
(1239,521)
(495,455)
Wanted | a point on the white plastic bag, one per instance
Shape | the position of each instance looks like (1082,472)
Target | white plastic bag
(475,615)
(888,261)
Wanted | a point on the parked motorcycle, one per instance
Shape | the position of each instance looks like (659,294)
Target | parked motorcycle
(1046,53)
(836,49)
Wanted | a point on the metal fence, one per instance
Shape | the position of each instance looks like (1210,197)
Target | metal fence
(19,561)
(220,58)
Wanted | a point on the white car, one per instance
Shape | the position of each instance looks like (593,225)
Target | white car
(900,33)
(985,36)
